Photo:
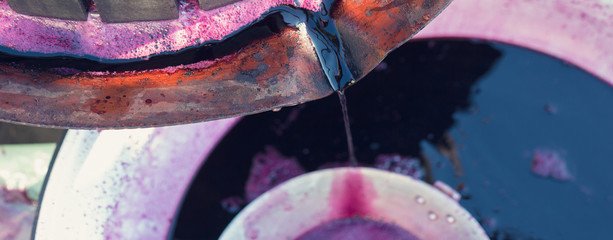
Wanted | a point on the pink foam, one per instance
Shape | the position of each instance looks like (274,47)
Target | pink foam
(96,39)
(548,163)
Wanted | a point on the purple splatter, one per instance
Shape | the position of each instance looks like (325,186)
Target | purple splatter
(400,164)
(65,71)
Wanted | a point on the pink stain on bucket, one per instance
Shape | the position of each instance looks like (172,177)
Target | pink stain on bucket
(355,201)
(351,195)
(132,40)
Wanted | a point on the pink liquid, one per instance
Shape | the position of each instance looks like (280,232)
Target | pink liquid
(357,229)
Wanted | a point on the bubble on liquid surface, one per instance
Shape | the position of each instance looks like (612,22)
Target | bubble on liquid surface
(420,200)
(450,219)
(432,215)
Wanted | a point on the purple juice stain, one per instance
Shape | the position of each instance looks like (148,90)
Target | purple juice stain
(64,71)
(548,163)
(357,229)
(269,170)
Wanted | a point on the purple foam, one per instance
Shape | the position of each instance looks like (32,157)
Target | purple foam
(270,169)
(400,164)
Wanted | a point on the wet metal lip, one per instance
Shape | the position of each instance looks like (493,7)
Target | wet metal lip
(279,70)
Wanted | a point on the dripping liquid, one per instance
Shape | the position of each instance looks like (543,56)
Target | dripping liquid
(343,100)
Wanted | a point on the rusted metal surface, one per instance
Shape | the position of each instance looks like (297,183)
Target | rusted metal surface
(275,71)
(62,9)
(235,85)
(370,29)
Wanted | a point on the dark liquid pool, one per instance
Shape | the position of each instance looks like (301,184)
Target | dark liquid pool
(356,229)
(473,114)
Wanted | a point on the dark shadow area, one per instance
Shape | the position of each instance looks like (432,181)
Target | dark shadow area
(21,134)
(410,97)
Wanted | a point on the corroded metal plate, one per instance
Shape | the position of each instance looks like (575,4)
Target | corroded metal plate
(276,69)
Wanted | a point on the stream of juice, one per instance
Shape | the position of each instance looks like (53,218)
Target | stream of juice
(343,100)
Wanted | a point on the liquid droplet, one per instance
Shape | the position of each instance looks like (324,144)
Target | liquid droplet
(420,200)
(276,109)
(432,216)
(450,219)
